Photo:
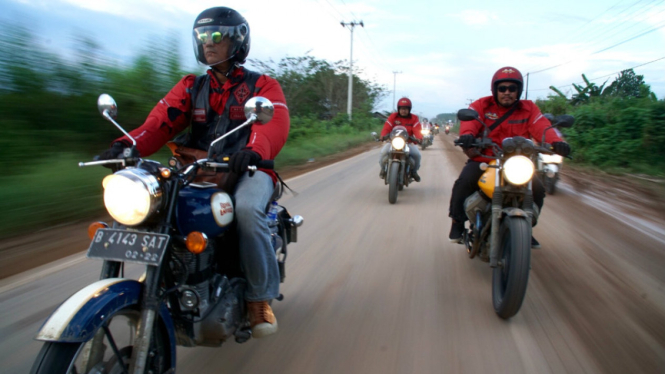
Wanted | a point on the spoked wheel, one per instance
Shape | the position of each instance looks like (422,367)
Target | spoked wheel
(393,181)
(509,279)
(109,351)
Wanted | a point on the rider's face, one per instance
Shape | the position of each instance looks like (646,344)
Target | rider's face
(216,52)
(403,111)
(506,98)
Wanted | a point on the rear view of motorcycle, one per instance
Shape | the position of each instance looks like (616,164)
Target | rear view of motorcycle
(181,229)
(502,212)
(397,172)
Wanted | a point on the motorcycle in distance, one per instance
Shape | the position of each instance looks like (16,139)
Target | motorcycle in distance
(447,129)
(549,165)
(502,212)
(397,172)
(435,129)
(428,136)
(192,290)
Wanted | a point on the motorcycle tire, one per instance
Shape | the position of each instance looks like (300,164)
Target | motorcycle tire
(550,185)
(63,358)
(510,278)
(393,181)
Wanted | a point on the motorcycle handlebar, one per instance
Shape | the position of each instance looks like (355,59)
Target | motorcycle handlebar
(263,164)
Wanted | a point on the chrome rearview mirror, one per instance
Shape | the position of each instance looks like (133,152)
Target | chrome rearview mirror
(109,109)
(261,107)
(257,109)
(106,104)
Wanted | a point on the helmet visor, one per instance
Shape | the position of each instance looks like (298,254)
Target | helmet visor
(217,34)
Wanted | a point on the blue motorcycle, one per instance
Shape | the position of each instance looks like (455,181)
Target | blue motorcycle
(192,291)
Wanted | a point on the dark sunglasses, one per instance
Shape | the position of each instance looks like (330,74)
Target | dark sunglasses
(511,88)
(215,36)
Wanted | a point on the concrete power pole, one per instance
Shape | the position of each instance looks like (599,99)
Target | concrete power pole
(394,85)
(351,25)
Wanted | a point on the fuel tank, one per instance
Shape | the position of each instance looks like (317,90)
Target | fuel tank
(205,208)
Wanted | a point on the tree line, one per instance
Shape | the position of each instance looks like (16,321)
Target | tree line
(48,100)
(619,126)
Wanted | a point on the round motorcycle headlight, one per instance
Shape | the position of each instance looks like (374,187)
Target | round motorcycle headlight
(398,143)
(518,170)
(131,196)
(424,132)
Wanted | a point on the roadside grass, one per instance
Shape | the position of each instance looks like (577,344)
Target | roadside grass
(58,191)
(50,193)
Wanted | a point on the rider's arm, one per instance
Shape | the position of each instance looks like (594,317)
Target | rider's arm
(538,123)
(417,127)
(388,126)
(267,140)
(169,117)
(472,127)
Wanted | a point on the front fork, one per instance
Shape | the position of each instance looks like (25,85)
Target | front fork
(146,323)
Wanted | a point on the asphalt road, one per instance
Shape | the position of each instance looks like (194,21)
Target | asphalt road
(377,288)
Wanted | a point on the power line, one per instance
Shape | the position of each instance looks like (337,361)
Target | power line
(604,76)
(602,50)
(612,27)
(354,16)
(625,19)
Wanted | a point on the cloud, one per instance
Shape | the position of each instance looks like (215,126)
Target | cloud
(477,17)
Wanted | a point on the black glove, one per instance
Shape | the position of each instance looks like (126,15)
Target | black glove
(466,140)
(113,152)
(240,160)
(561,148)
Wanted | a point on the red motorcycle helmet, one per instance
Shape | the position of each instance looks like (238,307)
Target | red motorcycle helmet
(507,74)
(404,102)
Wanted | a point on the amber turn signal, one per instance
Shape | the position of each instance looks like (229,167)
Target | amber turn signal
(166,173)
(92,229)
(196,242)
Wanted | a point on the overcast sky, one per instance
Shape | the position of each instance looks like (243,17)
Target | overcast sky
(445,51)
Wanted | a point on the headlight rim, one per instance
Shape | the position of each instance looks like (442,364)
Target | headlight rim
(513,170)
(150,184)
(398,140)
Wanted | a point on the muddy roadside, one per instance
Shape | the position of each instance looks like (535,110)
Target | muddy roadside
(637,194)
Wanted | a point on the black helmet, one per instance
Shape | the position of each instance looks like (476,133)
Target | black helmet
(218,23)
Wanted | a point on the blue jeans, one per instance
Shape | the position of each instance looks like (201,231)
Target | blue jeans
(257,257)
(414,155)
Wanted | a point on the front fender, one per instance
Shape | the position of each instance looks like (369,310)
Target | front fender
(514,212)
(78,318)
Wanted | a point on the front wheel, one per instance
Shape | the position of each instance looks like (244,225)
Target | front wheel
(393,181)
(550,185)
(510,278)
(109,351)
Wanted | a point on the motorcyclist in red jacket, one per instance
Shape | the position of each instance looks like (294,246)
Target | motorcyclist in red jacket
(526,120)
(402,117)
(212,105)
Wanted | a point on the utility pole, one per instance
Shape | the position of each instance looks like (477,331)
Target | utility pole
(351,25)
(394,84)
(527,87)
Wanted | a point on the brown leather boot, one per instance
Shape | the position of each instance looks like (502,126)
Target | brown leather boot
(261,319)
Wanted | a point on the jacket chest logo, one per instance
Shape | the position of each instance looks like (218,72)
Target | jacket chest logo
(492,116)
(398,123)
(199,115)
(241,93)
(237,112)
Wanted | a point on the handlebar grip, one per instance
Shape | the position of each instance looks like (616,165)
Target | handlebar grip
(266,164)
